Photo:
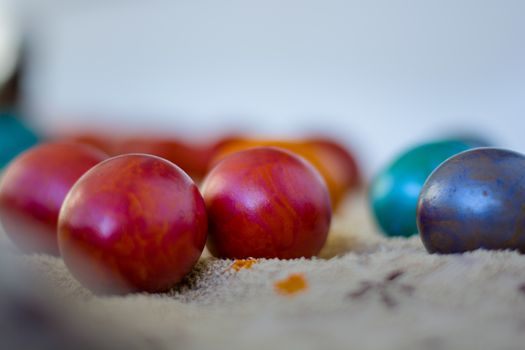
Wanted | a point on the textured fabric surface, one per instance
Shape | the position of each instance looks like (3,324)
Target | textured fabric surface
(364,292)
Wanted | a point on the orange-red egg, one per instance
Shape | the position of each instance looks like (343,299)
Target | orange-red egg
(344,158)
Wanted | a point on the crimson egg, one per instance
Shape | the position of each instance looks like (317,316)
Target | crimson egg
(266,202)
(133,223)
(33,188)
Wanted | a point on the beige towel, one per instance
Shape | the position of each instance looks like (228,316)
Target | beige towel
(367,292)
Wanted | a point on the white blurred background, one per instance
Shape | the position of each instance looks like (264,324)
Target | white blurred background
(379,74)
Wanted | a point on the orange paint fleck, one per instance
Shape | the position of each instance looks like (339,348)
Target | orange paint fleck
(239,264)
(293,284)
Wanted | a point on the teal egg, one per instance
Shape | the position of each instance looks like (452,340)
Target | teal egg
(394,192)
(15,137)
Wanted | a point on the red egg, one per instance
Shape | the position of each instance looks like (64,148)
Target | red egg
(133,223)
(193,158)
(101,141)
(342,156)
(331,160)
(33,188)
(266,203)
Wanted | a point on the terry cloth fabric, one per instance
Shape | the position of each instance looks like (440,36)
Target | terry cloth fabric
(364,292)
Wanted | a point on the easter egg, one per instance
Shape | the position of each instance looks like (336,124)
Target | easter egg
(133,223)
(33,189)
(344,157)
(475,199)
(393,193)
(15,137)
(339,173)
(192,157)
(266,203)
(103,142)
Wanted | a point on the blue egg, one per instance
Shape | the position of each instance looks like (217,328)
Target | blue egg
(474,200)
(15,137)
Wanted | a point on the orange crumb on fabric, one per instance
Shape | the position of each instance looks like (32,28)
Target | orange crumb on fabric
(239,264)
(293,284)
